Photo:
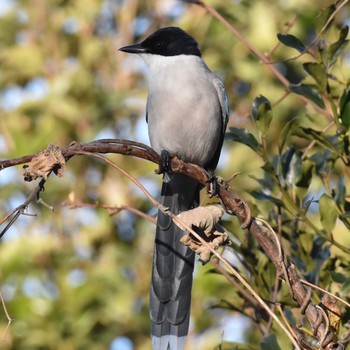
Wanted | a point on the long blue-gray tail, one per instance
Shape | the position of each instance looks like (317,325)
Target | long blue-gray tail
(170,295)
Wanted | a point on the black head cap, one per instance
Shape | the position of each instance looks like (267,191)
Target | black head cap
(170,41)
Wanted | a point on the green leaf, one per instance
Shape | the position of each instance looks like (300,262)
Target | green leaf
(308,204)
(309,92)
(318,72)
(336,48)
(223,304)
(311,134)
(328,211)
(266,183)
(291,41)
(244,137)
(269,343)
(266,197)
(269,167)
(345,288)
(284,133)
(337,277)
(291,166)
(289,316)
(322,160)
(323,17)
(213,271)
(262,113)
(340,192)
(344,107)
(299,263)
(306,174)
(232,346)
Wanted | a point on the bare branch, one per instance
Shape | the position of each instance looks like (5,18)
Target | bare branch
(22,208)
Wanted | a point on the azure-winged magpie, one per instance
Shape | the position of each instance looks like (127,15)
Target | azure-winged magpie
(187,114)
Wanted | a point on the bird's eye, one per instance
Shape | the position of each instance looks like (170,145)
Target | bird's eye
(158,45)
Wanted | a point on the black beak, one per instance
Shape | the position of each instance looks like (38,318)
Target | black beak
(137,48)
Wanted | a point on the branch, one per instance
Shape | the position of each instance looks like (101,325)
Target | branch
(9,319)
(234,205)
(263,58)
(113,210)
(124,147)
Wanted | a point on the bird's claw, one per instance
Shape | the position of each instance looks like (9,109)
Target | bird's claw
(164,165)
(212,184)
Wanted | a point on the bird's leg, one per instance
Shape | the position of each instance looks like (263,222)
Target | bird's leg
(212,184)
(164,165)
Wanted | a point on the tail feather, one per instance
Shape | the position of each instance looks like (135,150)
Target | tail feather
(173,262)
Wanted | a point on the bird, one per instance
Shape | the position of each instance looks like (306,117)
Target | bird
(187,114)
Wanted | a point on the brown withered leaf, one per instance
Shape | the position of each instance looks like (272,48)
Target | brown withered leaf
(204,220)
(45,161)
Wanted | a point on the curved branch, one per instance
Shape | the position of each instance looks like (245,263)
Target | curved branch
(125,147)
(233,204)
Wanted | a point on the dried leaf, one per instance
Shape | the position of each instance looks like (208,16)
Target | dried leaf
(204,221)
(45,161)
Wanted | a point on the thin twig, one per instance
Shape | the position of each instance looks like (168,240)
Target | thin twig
(324,291)
(286,94)
(258,54)
(7,216)
(313,142)
(274,301)
(289,26)
(307,49)
(279,308)
(114,210)
(277,278)
(246,43)
(21,208)
(9,318)
(325,317)
(330,19)
(266,224)
(233,176)
(121,170)
(231,280)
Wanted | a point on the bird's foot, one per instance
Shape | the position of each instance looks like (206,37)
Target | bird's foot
(212,184)
(164,165)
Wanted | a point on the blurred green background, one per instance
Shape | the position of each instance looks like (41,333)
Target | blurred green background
(79,279)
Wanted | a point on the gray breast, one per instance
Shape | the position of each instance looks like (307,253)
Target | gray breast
(187,123)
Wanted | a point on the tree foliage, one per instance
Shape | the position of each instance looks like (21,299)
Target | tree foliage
(79,278)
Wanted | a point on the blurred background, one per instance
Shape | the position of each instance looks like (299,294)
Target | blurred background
(79,279)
